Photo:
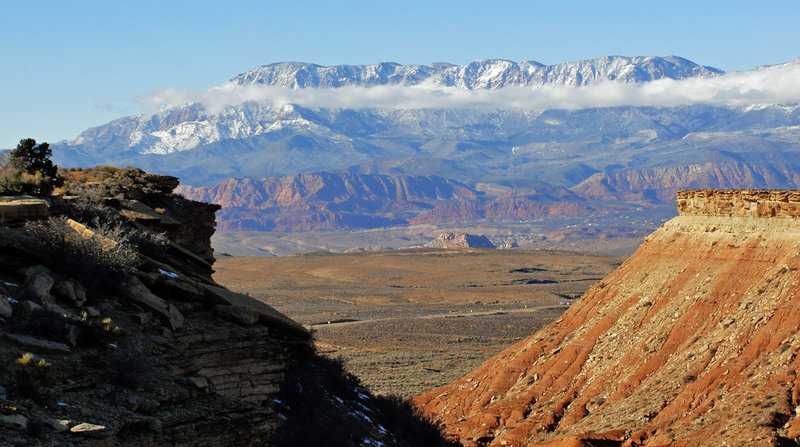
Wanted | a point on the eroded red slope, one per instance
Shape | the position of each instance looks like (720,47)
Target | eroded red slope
(692,341)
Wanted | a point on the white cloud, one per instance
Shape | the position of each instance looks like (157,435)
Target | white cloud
(779,84)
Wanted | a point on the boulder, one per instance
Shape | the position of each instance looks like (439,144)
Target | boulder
(175,318)
(58,425)
(238,314)
(5,307)
(30,306)
(138,293)
(15,210)
(38,345)
(38,283)
(71,290)
(14,421)
(265,312)
(139,212)
(56,309)
(92,430)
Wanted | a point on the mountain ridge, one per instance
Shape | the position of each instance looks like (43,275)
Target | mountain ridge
(635,154)
(347,200)
(480,74)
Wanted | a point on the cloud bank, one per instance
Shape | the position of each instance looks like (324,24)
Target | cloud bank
(777,84)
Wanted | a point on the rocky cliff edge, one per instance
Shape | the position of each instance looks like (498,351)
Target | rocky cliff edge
(112,332)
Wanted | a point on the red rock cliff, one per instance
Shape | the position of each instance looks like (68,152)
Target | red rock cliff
(739,203)
(694,340)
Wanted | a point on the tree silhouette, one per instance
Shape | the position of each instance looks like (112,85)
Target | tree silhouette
(32,158)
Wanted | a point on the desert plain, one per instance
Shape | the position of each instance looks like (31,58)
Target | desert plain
(408,321)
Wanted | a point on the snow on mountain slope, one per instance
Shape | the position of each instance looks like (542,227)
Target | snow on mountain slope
(483,74)
(259,136)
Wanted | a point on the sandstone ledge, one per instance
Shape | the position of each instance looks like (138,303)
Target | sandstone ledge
(739,203)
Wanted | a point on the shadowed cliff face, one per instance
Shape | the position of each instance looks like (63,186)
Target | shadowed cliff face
(692,341)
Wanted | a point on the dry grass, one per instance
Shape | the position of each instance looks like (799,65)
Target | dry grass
(408,321)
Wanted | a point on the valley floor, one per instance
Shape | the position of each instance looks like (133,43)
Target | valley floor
(407,321)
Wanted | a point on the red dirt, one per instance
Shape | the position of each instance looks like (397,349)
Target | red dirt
(692,341)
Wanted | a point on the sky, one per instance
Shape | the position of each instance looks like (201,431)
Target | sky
(69,66)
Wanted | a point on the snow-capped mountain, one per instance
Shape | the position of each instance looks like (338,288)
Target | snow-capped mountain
(483,74)
(258,136)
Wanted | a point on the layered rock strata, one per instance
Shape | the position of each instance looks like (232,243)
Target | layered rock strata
(112,332)
(19,209)
(694,340)
(166,357)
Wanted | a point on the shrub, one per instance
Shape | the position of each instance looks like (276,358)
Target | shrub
(153,245)
(88,207)
(97,261)
(32,375)
(14,181)
(96,332)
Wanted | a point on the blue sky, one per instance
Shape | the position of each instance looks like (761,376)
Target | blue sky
(68,66)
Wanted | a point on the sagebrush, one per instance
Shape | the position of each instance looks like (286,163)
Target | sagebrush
(98,261)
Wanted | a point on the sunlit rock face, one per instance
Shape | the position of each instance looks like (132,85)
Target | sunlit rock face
(692,341)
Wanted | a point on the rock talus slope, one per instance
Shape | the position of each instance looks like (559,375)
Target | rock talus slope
(692,341)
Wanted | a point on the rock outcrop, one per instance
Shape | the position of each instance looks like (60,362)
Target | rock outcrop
(694,340)
(19,209)
(112,332)
(460,240)
(739,203)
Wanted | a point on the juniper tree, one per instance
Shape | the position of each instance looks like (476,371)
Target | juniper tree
(32,158)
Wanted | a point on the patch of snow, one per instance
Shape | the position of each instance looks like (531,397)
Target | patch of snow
(11,284)
(12,300)
(183,137)
(166,273)
(363,416)
(135,137)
